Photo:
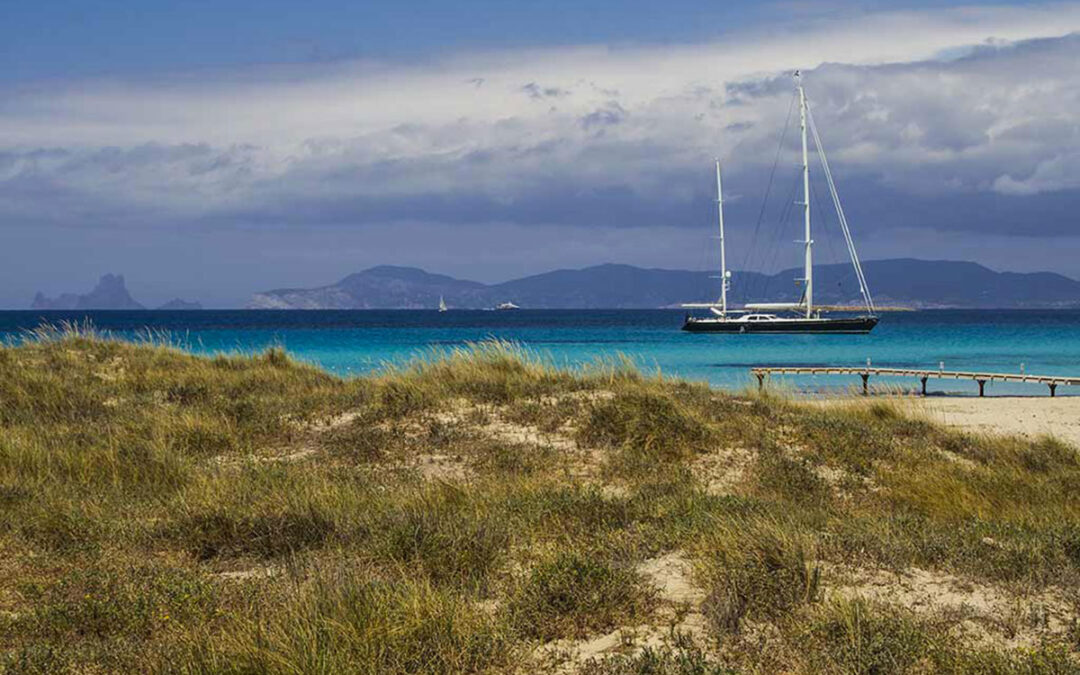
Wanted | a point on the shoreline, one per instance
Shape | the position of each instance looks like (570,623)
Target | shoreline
(1025,416)
(1028,417)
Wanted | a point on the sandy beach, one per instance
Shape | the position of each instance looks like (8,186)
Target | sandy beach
(1027,416)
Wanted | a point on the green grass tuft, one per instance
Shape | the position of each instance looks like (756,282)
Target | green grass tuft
(756,570)
(574,594)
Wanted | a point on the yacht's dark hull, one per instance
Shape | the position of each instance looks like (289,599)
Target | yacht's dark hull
(842,326)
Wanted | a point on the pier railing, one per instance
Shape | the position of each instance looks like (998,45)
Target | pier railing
(1052,381)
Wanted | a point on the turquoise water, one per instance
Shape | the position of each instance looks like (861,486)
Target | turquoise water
(355,342)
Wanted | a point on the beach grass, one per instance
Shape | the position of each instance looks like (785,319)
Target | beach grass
(479,510)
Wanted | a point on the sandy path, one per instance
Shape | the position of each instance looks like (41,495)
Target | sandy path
(1022,416)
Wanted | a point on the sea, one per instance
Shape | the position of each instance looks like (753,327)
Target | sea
(357,342)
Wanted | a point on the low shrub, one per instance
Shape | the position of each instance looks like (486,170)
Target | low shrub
(758,570)
(223,533)
(575,594)
(647,427)
(342,620)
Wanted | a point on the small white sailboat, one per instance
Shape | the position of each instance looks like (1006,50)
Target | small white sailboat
(804,316)
(442,304)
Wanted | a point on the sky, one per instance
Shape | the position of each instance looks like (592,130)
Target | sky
(210,150)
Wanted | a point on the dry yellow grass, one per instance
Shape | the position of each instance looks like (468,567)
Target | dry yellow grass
(479,511)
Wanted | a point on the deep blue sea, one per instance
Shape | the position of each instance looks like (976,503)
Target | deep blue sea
(355,342)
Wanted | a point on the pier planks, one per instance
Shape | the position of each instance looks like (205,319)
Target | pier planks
(1052,381)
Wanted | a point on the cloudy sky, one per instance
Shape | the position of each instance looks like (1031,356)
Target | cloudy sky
(212,149)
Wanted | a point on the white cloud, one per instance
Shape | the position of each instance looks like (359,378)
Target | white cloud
(588,135)
(284,106)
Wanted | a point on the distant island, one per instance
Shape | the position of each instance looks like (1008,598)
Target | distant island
(896,284)
(178,304)
(905,282)
(110,293)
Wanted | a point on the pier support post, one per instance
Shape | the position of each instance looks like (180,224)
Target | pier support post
(1053,389)
(865,388)
(760,381)
(982,384)
(924,386)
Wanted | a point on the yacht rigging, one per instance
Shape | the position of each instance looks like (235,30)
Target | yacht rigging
(802,316)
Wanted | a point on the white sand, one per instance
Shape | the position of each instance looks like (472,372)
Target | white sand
(1022,416)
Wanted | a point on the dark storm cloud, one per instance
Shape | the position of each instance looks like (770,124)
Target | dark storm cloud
(121,186)
(987,142)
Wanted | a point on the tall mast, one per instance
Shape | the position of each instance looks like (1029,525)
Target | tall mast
(723,256)
(808,264)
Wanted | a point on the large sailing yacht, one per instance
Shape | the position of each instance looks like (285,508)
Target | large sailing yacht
(802,316)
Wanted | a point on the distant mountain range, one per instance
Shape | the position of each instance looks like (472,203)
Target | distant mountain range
(902,282)
(110,293)
(918,284)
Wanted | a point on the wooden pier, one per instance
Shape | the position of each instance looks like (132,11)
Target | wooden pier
(1051,381)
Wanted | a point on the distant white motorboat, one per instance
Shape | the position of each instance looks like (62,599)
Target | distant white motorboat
(506,305)
(442,304)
